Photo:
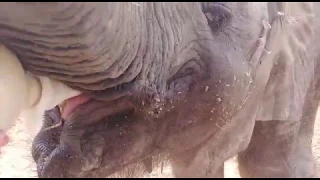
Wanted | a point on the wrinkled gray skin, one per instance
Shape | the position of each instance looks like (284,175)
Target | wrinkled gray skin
(193,83)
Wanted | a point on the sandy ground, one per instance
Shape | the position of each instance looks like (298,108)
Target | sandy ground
(16,161)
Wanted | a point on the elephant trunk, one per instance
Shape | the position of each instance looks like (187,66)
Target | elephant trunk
(89,46)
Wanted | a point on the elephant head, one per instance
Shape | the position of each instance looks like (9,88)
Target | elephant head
(166,78)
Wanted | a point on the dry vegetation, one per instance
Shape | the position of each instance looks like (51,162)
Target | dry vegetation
(16,161)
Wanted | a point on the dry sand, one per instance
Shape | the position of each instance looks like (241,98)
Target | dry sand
(16,161)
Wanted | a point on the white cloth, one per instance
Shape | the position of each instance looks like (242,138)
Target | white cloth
(26,96)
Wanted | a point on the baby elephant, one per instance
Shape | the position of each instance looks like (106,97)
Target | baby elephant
(193,83)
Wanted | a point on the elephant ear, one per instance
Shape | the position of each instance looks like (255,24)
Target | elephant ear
(218,15)
(290,43)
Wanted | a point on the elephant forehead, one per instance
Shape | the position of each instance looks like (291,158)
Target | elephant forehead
(81,45)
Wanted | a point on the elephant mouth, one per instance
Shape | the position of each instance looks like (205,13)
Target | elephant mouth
(99,140)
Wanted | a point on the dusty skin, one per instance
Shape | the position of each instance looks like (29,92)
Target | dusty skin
(16,161)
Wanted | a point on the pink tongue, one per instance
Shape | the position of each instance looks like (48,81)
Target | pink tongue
(72,104)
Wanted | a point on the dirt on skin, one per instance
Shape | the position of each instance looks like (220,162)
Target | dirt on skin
(16,161)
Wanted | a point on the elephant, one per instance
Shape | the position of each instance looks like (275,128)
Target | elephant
(193,83)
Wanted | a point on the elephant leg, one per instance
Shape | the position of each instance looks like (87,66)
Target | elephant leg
(271,151)
(283,148)
(195,164)
(306,164)
(280,149)
(220,172)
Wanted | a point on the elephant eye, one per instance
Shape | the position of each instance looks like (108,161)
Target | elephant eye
(182,81)
(186,77)
(218,15)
